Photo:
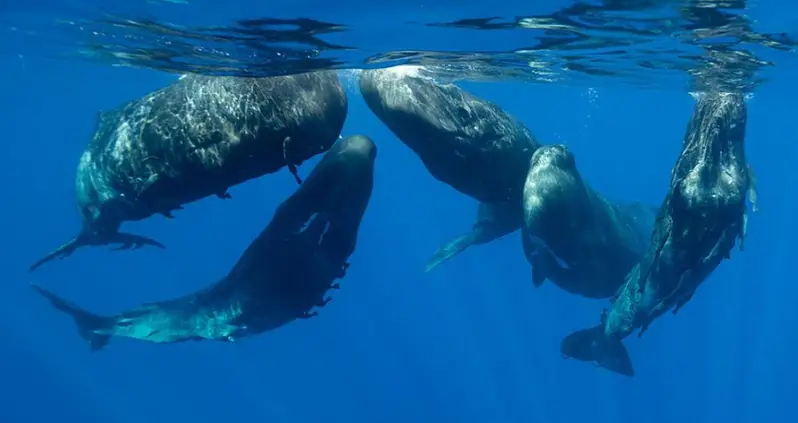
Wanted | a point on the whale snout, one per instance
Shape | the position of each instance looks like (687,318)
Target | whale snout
(358,149)
(557,155)
(345,173)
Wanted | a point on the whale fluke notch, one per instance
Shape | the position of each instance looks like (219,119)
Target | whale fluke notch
(127,241)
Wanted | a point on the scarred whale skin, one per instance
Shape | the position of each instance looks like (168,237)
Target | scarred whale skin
(196,138)
(285,272)
(464,141)
(701,219)
(572,234)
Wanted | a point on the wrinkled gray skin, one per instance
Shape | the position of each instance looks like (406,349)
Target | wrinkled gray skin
(574,236)
(464,141)
(196,138)
(284,273)
(701,218)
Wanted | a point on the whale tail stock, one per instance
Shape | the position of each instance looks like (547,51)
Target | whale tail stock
(126,241)
(593,345)
(88,323)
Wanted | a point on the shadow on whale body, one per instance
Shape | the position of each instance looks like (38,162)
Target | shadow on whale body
(463,141)
(196,138)
(702,217)
(572,235)
(283,274)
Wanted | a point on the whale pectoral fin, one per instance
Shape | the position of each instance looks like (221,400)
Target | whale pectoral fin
(295,173)
(533,257)
(743,230)
(291,166)
(546,265)
(450,249)
(130,241)
(538,275)
(123,247)
(752,190)
(643,328)
(682,302)
(168,213)
(752,197)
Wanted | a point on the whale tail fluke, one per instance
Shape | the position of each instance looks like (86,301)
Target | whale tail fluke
(592,345)
(64,250)
(127,241)
(88,323)
(451,249)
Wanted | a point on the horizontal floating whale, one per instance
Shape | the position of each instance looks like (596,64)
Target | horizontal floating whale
(196,138)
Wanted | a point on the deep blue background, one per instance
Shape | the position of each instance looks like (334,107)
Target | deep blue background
(472,341)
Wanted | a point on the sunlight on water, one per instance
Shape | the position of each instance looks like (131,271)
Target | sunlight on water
(655,44)
(407,70)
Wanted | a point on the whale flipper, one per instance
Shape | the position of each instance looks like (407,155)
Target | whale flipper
(88,323)
(452,248)
(127,241)
(752,189)
(538,274)
(546,265)
(593,345)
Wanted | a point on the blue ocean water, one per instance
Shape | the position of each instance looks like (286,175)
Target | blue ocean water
(472,341)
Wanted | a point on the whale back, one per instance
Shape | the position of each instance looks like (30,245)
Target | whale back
(464,141)
(201,135)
